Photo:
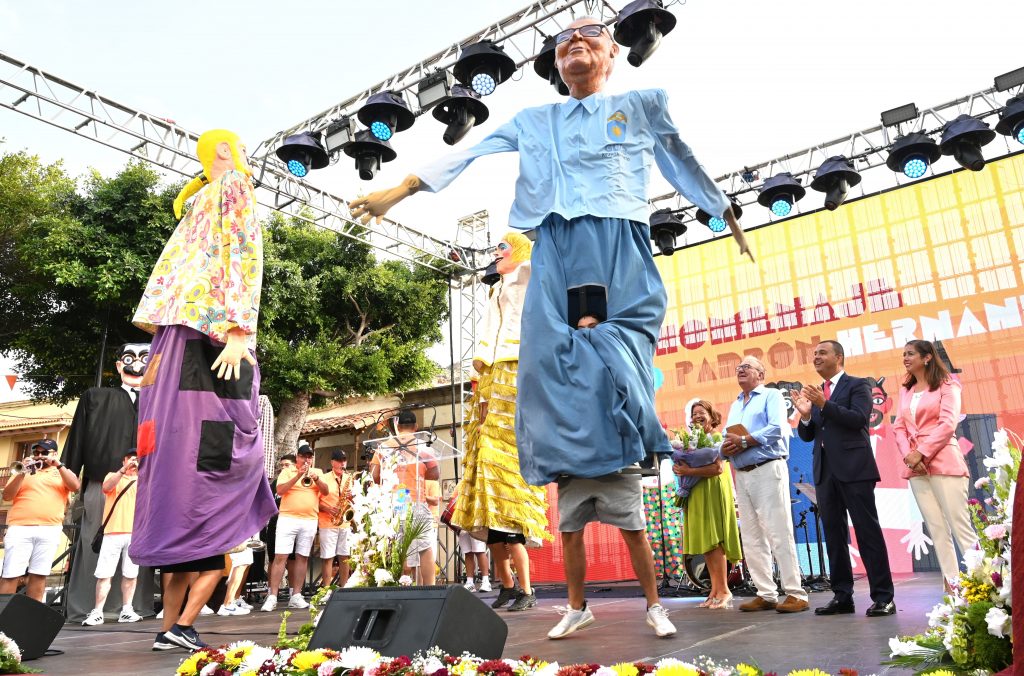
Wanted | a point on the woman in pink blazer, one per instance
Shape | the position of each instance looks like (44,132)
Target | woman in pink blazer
(925,430)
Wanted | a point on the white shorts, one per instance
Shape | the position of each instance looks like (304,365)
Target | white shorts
(30,549)
(294,535)
(333,542)
(242,558)
(470,545)
(114,549)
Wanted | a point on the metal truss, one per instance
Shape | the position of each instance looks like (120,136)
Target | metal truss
(521,34)
(45,97)
(868,149)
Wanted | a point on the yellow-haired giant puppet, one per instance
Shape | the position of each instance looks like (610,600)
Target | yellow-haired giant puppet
(202,487)
(495,503)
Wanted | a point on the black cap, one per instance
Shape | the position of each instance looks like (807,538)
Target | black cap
(406,418)
(304,449)
(131,452)
(339,455)
(46,444)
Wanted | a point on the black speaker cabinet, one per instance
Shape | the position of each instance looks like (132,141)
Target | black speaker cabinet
(398,621)
(32,625)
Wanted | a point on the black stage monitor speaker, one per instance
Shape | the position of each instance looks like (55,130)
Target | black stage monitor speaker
(32,625)
(398,621)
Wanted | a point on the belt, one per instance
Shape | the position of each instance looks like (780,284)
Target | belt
(756,465)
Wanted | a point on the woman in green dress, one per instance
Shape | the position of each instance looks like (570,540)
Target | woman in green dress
(710,526)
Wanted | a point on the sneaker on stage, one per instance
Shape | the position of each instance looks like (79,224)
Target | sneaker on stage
(469,585)
(128,616)
(161,643)
(657,617)
(505,594)
(241,603)
(572,620)
(522,602)
(186,637)
(485,585)
(270,605)
(207,610)
(232,609)
(94,618)
(296,601)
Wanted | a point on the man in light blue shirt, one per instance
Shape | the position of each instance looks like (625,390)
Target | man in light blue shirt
(758,452)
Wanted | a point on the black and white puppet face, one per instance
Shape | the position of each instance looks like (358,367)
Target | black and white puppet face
(131,363)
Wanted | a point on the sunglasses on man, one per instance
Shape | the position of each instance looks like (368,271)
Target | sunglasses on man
(591,30)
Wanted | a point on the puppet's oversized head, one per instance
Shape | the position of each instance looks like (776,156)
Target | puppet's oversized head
(131,363)
(513,250)
(219,150)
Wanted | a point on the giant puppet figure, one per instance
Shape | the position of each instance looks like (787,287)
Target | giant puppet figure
(495,504)
(202,486)
(103,428)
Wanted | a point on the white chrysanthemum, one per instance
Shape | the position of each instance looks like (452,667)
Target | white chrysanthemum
(209,669)
(549,669)
(10,646)
(359,657)
(241,644)
(431,664)
(998,621)
(255,659)
(382,577)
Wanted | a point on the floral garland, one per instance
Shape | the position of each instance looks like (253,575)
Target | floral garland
(10,657)
(248,659)
(969,630)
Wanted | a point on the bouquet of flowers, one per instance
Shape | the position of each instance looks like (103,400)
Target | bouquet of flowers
(10,657)
(969,631)
(696,448)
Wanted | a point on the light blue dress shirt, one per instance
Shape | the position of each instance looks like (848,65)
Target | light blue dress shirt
(764,416)
(589,157)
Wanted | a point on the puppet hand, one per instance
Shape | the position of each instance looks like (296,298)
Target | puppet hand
(229,363)
(378,203)
(737,233)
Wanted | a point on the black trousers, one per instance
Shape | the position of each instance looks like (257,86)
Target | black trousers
(835,499)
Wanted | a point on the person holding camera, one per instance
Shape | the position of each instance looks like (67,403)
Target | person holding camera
(118,515)
(39,491)
(300,490)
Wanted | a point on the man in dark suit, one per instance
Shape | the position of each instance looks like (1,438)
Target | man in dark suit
(835,417)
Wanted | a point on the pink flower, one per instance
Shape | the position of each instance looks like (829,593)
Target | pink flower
(996,531)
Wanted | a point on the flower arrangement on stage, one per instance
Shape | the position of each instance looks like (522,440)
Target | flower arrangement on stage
(10,657)
(693,441)
(249,659)
(969,631)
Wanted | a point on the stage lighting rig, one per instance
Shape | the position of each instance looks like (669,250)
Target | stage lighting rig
(302,152)
(835,177)
(1011,119)
(640,26)
(717,224)
(912,154)
(434,89)
(461,112)
(665,227)
(339,133)
(369,153)
(544,65)
(962,137)
(780,192)
(483,66)
(386,114)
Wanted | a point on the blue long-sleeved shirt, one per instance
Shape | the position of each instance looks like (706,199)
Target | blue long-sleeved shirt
(589,157)
(764,416)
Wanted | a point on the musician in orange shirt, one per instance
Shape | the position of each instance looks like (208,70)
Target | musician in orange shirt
(334,527)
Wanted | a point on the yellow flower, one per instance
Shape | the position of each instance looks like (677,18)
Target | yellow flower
(625,669)
(941,672)
(188,667)
(233,658)
(808,672)
(308,659)
(676,670)
(747,670)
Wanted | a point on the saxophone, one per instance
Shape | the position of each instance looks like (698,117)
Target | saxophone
(344,498)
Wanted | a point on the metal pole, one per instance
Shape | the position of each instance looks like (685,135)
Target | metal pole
(103,350)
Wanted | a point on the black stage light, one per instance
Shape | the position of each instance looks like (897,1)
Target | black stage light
(302,152)
(912,154)
(835,177)
(640,26)
(665,227)
(483,66)
(962,138)
(780,192)
(717,224)
(544,65)
(461,112)
(339,133)
(369,153)
(1011,119)
(434,89)
(386,114)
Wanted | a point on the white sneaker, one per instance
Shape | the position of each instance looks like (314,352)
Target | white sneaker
(232,609)
(296,601)
(160,615)
(571,621)
(129,616)
(485,585)
(241,603)
(270,605)
(469,585)
(207,610)
(95,617)
(657,617)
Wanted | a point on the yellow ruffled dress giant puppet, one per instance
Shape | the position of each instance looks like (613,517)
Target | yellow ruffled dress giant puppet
(493,495)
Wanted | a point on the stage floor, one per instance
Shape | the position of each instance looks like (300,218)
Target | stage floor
(773,641)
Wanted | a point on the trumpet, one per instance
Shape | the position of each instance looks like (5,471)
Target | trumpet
(26,466)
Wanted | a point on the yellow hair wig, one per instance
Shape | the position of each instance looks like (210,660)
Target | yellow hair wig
(206,150)
(521,245)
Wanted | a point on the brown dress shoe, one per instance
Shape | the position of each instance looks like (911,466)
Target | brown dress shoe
(757,603)
(792,605)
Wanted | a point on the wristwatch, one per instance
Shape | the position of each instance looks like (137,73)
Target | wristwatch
(743,442)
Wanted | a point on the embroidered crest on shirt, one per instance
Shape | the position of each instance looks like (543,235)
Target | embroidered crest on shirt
(616,129)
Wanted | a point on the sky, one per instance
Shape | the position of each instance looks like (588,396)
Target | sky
(748,80)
